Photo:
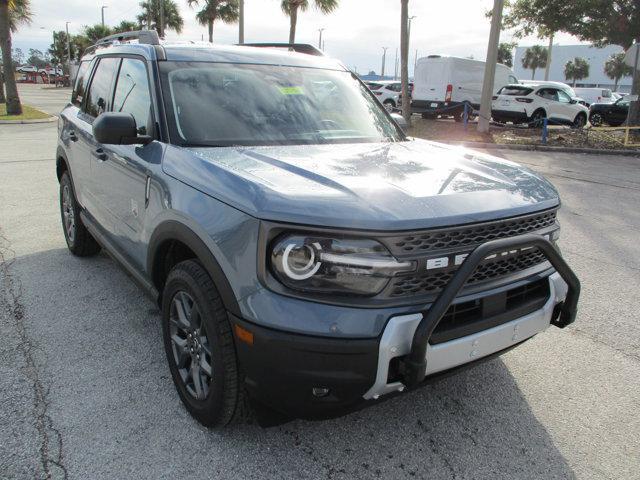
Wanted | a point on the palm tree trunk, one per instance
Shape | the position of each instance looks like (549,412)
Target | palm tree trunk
(533,73)
(615,84)
(294,21)
(210,26)
(13,100)
(404,60)
(2,97)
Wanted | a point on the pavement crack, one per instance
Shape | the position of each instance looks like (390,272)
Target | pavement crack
(51,441)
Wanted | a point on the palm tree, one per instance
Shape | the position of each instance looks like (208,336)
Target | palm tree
(225,10)
(534,57)
(505,53)
(95,32)
(150,16)
(576,69)
(291,8)
(12,13)
(615,68)
(126,26)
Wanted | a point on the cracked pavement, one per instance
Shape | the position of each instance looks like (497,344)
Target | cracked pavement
(86,392)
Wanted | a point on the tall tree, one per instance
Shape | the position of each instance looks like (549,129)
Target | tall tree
(58,49)
(615,68)
(226,11)
(126,26)
(292,7)
(404,59)
(150,15)
(576,69)
(95,32)
(534,58)
(12,14)
(532,17)
(505,53)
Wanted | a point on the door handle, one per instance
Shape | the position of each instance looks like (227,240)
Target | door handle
(72,136)
(99,154)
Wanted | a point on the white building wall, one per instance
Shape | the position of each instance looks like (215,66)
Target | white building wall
(561,54)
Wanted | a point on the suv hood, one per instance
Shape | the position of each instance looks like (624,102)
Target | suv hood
(377,186)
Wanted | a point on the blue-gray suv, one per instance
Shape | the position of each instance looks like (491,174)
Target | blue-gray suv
(307,256)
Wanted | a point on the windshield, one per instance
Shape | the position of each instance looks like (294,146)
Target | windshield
(217,104)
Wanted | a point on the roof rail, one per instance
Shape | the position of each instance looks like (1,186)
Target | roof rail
(295,47)
(147,37)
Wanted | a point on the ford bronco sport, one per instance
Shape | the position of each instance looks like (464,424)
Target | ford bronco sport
(308,258)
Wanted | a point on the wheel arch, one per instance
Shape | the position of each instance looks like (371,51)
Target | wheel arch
(62,163)
(175,235)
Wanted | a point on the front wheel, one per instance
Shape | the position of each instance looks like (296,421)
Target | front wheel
(596,119)
(79,240)
(389,105)
(580,121)
(199,346)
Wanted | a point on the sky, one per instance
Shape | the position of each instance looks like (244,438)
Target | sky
(355,33)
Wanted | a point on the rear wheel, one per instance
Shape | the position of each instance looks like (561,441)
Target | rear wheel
(79,240)
(199,346)
(389,105)
(537,119)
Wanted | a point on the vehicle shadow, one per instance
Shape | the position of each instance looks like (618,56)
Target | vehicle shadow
(100,354)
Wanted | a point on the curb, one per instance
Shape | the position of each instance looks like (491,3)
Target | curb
(545,148)
(27,122)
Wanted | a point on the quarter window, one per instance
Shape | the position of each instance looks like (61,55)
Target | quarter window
(98,97)
(563,97)
(80,86)
(132,93)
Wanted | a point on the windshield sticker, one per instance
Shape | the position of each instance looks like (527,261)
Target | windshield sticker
(291,90)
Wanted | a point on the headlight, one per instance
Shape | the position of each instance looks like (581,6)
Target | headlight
(333,265)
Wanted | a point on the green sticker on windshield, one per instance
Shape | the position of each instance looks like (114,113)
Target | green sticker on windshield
(291,91)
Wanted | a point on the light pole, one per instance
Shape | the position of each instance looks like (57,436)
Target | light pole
(395,70)
(384,58)
(409,27)
(102,13)
(320,30)
(68,49)
(241,22)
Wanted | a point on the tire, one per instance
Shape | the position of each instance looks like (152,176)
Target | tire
(596,119)
(389,105)
(201,337)
(537,118)
(580,121)
(79,240)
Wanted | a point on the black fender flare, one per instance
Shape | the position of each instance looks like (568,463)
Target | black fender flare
(61,157)
(173,230)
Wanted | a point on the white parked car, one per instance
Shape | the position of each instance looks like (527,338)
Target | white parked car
(387,91)
(27,69)
(521,103)
(562,86)
(595,95)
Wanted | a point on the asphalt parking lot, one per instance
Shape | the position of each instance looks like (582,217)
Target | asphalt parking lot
(86,392)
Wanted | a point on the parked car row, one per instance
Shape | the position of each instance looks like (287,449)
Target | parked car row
(34,69)
(388,92)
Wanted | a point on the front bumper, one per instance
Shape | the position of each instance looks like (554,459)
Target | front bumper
(282,369)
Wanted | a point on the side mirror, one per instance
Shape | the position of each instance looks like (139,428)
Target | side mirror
(402,123)
(114,128)
(573,101)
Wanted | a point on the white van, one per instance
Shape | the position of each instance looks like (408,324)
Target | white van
(443,84)
(595,95)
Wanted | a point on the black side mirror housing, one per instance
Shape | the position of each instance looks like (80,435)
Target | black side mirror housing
(573,101)
(115,128)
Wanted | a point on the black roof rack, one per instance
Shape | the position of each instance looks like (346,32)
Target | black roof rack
(295,47)
(147,37)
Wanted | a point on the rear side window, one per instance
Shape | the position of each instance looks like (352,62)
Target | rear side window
(515,91)
(132,93)
(100,88)
(80,86)
(606,93)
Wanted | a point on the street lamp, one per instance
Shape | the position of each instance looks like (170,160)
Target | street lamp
(384,58)
(102,13)
(320,30)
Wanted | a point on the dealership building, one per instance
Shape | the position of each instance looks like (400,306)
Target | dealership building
(561,54)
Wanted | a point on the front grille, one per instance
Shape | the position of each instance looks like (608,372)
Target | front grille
(433,282)
(464,236)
